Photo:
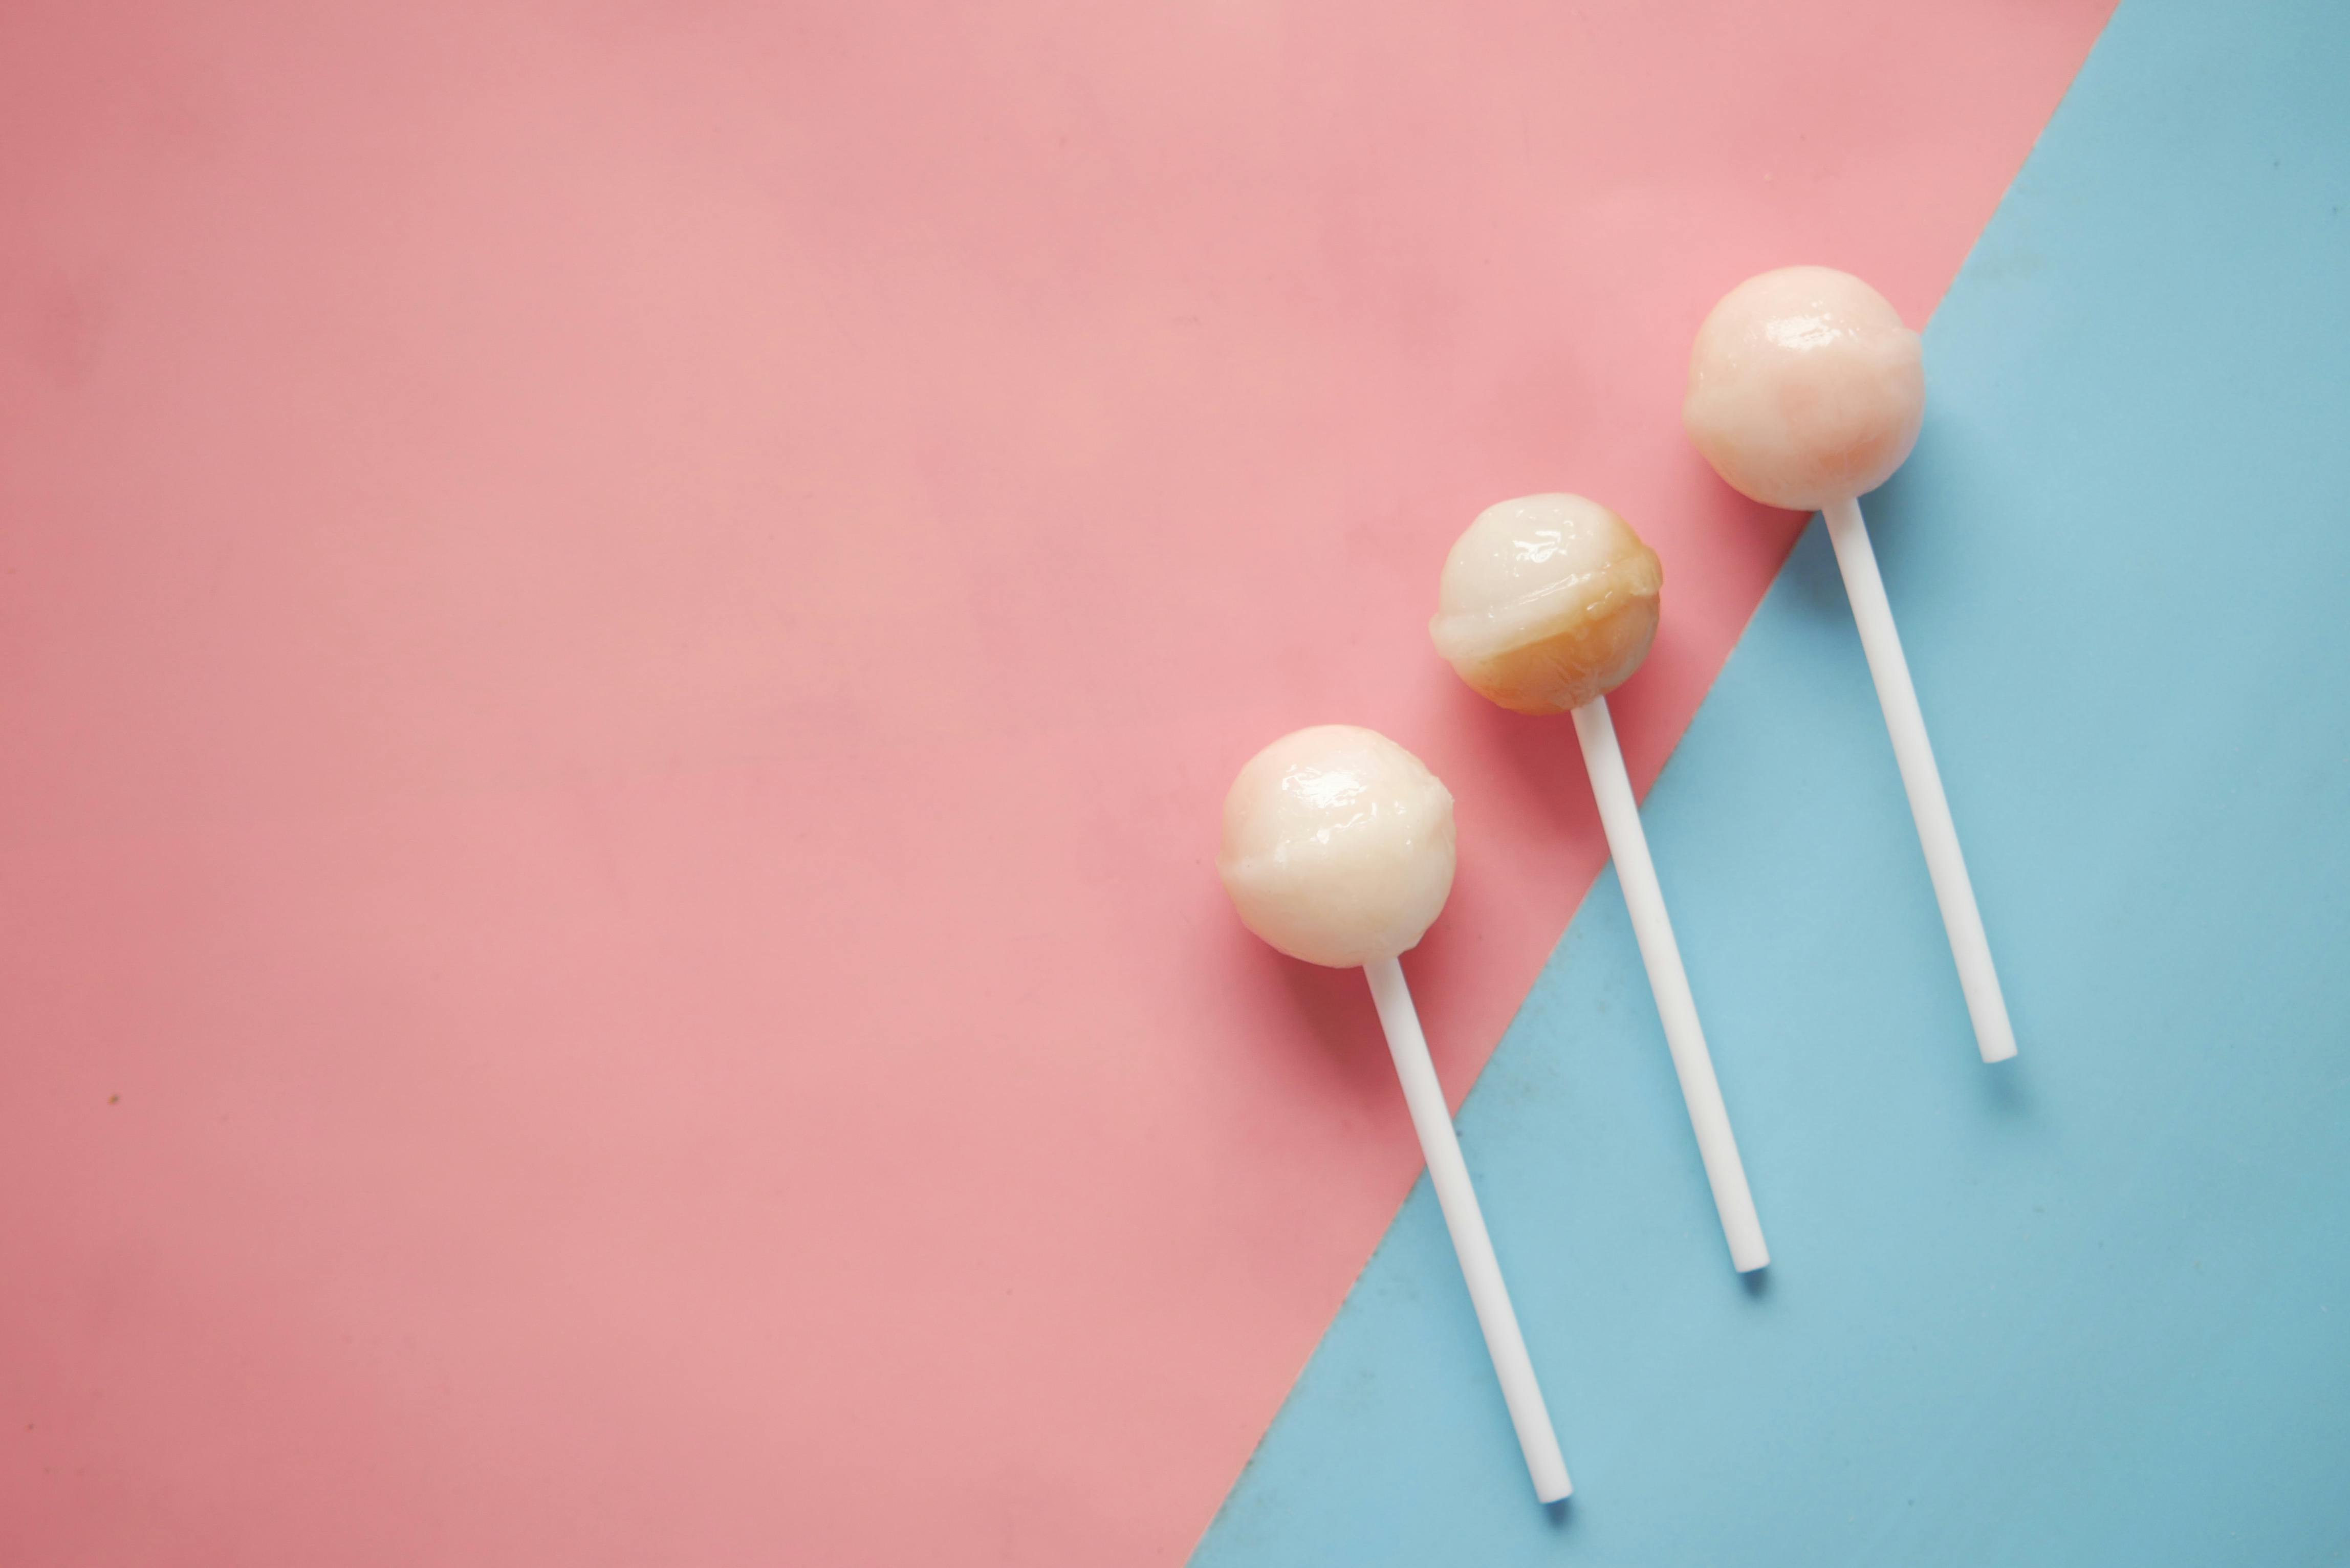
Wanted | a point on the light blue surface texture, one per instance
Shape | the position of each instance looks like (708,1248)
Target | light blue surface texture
(2091,1307)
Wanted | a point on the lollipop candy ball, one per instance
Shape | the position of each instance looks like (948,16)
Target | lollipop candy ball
(1337,846)
(1805,387)
(1546,602)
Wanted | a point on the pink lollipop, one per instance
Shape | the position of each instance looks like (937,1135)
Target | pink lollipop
(1806,391)
(1338,850)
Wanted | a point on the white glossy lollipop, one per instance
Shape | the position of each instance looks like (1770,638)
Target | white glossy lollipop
(1547,604)
(1338,850)
(1337,846)
(1806,391)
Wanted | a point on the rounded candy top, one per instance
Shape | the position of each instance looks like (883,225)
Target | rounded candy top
(1337,846)
(1805,387)
(1547,602)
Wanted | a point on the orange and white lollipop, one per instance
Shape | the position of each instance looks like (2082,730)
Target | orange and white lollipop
(1547,604)
(1805,391)
(1338,850)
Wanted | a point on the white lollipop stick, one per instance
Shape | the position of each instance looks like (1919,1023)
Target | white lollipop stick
(1628,844)
(1993,1033)
(1450,1176)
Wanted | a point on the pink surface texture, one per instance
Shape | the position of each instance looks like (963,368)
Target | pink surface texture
(622,626)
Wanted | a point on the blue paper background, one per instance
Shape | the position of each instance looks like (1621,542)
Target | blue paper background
(2086,1308)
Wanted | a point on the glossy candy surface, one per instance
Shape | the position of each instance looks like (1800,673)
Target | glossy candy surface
(1805,387)
(1337,846)
(1546,602)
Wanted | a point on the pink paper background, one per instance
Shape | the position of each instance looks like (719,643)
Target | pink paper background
(621,628)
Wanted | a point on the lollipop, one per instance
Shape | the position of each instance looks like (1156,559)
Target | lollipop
(1338,850)
(1547,603)
(1805,391)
